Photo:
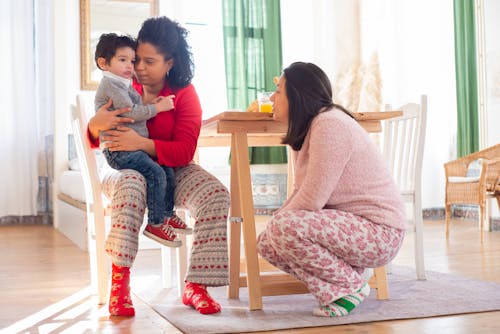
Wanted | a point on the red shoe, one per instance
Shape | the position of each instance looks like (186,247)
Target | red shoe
(162,233)
(178,225)
(196,295)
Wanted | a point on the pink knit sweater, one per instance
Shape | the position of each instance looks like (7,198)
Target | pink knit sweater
(339,167)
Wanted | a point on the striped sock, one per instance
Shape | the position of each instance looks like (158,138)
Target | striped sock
(343,306)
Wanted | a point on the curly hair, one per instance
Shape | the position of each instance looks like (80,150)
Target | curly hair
(109,43)
(169,39)
(309,93)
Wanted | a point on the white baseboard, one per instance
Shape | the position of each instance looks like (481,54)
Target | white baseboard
(73,224)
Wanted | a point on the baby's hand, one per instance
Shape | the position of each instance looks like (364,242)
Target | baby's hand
(164,103)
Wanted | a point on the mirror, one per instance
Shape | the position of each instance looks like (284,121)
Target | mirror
(104,16)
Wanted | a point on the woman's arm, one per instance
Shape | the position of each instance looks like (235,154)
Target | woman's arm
(173,135)
(329,148)
(179,148)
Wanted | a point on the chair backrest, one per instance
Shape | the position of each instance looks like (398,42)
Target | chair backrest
(488,179)
(403,145)
(93,196)
(86,157)
(490,153)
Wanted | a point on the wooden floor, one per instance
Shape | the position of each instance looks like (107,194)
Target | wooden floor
(44,285)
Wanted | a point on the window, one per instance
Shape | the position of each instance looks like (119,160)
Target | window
(203,20)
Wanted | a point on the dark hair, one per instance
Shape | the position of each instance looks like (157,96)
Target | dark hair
(309,93)
(169,39)
(109,43)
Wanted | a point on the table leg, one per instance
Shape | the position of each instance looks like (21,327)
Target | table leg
(234,229)
(240,144)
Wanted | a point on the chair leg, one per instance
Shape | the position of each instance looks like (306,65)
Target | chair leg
(182,261)
(99,266)
(447,209)
(181,254)
(167,266)
(419,242)
(379,282)
(174,265)
(481,220)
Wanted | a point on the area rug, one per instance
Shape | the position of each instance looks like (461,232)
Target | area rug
(441,294)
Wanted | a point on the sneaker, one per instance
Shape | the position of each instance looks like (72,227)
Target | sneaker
(162,233)
(178,225)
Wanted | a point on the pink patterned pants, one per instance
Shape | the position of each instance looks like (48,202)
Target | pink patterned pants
(198,191)
(328,250)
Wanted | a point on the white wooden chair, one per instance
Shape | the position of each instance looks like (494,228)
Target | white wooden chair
(403,149)
(97,211)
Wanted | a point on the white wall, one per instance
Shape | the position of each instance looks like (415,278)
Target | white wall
(414,40)
(66,81)
(415,44)
(492,93)
(492,49)
(323,32)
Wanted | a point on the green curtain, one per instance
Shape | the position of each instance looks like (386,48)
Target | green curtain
(466,74)
(252,46)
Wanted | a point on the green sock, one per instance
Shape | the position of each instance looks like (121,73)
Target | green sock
(344,305)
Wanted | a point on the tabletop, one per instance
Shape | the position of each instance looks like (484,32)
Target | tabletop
(216,130)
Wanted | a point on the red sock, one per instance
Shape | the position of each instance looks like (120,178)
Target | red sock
(120,302)
(196,295)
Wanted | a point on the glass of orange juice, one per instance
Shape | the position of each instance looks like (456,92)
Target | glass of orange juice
(265,103)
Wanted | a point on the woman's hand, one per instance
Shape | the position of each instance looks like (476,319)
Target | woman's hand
(122,139)
(127,139)
(104,119)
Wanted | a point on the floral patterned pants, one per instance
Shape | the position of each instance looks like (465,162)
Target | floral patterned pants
(328,249)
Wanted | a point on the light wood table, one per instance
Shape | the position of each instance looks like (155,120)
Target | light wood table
(239,130)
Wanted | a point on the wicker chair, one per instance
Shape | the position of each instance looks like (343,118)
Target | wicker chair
(461,189)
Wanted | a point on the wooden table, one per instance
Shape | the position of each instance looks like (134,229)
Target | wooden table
(239,130)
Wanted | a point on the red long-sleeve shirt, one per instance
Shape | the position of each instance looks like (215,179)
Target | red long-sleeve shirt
(175,132)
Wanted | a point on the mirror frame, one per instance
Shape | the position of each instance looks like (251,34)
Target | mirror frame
(86,60)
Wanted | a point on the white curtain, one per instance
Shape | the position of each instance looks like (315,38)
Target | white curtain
(416,51)
(327,36)
(19,132)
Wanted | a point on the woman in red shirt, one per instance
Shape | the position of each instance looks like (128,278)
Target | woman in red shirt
(164,67)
